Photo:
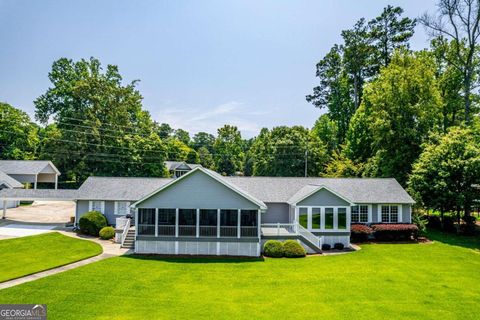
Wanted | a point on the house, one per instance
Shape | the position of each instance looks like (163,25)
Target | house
(179,168)
(30,171)
(7,182)
(204,213)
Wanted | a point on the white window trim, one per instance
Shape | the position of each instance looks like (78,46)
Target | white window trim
(369,212)
(322,218)
(399,210)
(102,205)
(115,210)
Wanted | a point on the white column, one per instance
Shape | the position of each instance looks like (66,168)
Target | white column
(4,209)
(218,223)
(136,222)
(156,222)
(239,212)
(35,183)
(56,181)
(309,218)
(176,222)
(198,223)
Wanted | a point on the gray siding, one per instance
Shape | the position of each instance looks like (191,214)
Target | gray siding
(323,197)
(276,212)
(82,208)
(198,190)
(406,213)
(250,249)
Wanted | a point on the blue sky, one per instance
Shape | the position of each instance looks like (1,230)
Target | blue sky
(201,63)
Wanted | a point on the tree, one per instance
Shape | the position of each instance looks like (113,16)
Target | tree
(334,90)
(388,32)
(326,130)
(18,134)
(287,151)
(205,158)
(228,150)
(462,26)
(102,129)
(400,109)
(340,166)
(177,150)
(164,131)
(192,157)
(203,139)
(447,174)
(357,57)
(183,136)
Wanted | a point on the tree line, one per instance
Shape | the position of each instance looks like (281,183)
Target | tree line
(389,111)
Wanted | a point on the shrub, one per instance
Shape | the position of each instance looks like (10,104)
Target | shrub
(421,224)
(449,224)
(273,248)
(107,233)
(326,247)
(293,249)
(434,222)
(338,246)
(395,232)
(92,222)
(360,232)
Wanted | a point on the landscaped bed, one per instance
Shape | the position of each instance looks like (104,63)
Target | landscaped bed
(381,281)
(23,256)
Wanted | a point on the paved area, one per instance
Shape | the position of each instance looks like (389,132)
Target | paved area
(43,212)
(13,230)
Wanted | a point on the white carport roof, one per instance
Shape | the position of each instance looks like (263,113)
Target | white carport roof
(38,194)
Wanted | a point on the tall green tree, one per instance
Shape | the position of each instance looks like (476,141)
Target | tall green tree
(102,127)
(459,21)
(400,109)
(183,136)
(203,139)
(18,134)
(205,158)
(228,152)
(327,131)
(447,174)
(288,151)
(165,131)
(388,32)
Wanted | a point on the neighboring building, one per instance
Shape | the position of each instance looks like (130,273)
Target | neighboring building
(7,182)
(31,171)
(202,212)
(179,168)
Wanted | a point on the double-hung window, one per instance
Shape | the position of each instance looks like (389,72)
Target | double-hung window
(96,205)
(389,214)
(122,208)
(359,214)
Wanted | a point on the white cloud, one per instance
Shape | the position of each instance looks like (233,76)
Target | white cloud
(245,117)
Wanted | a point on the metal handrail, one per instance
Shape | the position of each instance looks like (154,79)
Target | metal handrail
(126,228)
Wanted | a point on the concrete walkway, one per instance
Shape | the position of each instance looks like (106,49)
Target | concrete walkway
(110,249)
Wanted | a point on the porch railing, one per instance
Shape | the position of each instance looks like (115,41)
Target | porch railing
(286,229)
(125,230)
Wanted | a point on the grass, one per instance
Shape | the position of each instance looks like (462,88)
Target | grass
(23,256)
(382,281)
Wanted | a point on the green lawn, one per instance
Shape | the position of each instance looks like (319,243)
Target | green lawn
(382,281)
(27,255)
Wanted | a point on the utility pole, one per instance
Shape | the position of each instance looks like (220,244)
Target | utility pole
(306,161)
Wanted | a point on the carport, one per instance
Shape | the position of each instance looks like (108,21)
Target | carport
(31,171)
(35,195)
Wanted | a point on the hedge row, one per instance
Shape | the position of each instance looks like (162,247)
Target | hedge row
(384,232)
(288,249)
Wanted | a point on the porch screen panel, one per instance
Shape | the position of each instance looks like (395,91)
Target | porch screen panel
(187,222)
(228,222)
(342,218)
(316,218)
(303,217)
(249,223)
(328,218)
(146,221)
(208,222)
(166,222)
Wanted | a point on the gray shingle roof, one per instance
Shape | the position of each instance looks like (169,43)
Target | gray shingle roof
(358,190)
(38,194)
(9,180)
(172,165)
(25,166)
(119,188)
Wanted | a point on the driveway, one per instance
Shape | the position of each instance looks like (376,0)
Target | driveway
(43,212)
